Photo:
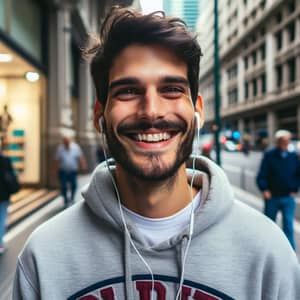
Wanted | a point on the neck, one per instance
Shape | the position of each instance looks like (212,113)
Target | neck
(154,199)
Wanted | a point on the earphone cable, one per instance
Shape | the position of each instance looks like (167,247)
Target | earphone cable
(123,219)
(191,224)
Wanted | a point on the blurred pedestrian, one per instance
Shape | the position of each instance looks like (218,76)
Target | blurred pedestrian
(278,179)
(69,159)
(5,168)
(157,223)
(5,120)
(206,150)
(246,144)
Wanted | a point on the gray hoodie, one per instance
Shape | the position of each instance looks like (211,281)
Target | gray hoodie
(84,252)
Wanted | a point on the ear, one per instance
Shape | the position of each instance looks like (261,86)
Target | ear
(200,109)
(98,112)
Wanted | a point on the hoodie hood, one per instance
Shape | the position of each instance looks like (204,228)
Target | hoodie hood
(216,198)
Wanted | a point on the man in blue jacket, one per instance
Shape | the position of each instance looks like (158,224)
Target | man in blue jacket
(279,179)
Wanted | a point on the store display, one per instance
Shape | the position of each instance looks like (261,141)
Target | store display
(13,147)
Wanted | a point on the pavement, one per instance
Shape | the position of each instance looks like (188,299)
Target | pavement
(16,237)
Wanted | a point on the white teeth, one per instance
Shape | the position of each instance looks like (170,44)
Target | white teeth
(153,137)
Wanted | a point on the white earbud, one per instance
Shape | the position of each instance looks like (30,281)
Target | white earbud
(101,121)
(198,120)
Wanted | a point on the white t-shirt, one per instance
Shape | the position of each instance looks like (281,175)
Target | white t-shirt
(157,230)
(68,159)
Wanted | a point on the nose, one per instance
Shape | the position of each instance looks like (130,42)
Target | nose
(152,106)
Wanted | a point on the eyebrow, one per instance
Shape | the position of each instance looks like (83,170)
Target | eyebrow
(123,81)
(134,80)
(175,79)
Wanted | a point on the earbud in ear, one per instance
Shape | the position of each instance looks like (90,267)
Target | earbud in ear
(101,121)
(198,120)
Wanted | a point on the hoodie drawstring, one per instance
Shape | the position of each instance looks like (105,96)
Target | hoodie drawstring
(182,250)
(128,272)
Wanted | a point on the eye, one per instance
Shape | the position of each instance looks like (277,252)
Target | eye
(127,93)
(172,92)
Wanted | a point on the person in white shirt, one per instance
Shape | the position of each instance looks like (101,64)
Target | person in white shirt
(69,160)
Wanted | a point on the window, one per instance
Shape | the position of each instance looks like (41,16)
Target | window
(292,7)
(279,40)
(291,31)
(263,4)
(246,62)
(263,31)
(254,58)
(232,96)
(232,72)
(279,17)
(254,83)
(246,90)
(292,70)
(263,84)
(263,51)
(279,76)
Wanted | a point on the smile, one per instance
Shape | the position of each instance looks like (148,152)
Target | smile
(152,137)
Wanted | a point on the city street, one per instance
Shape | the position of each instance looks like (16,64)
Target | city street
(242,169)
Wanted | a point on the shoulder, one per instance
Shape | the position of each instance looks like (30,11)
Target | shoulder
(75,146)
(253,220)
(56,233)
(270,152)
(258,231)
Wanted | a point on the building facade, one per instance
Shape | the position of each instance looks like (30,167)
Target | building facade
(185,9)
(259,49)
(45,85)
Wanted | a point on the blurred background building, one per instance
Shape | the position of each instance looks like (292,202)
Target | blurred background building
(259,48)
(185,9)
(44,82)
(45,89)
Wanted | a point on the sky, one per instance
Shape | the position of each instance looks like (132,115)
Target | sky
(149,6)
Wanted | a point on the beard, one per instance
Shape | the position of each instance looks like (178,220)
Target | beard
(156,169)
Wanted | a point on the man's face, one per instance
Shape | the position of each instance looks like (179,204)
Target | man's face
(283,143)
(149,116)
(66,142)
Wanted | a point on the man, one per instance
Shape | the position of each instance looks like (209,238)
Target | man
(5,168)
(68,160)
(279,179)
(5,120)
(149,228)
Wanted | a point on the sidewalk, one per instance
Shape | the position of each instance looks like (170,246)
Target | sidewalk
(16,237)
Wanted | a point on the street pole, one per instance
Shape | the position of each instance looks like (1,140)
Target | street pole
(217,124)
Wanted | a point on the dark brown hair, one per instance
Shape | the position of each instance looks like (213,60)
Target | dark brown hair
(123,27)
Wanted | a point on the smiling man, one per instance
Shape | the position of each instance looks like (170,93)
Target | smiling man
(155,223)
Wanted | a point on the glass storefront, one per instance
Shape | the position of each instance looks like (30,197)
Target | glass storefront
(21,94)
